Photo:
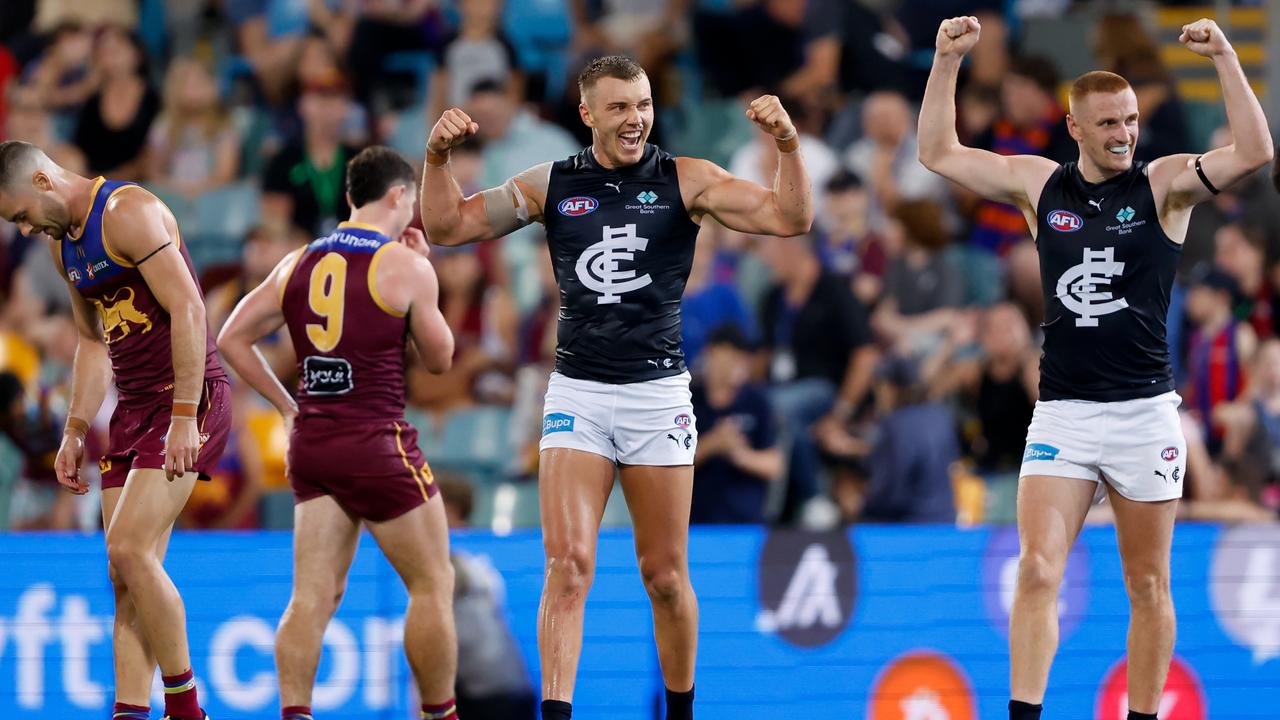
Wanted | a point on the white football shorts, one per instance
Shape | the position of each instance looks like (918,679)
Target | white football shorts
(643,423)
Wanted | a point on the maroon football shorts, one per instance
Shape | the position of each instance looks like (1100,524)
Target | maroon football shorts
(373,468)
(141,423)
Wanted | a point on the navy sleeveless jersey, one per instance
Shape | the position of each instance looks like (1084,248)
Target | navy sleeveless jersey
(621,243)
(1107,268)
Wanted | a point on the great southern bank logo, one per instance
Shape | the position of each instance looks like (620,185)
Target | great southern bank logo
(578,205)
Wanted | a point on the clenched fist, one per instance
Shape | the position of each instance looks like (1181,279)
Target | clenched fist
(1204,37)
(958,35)
(451,130)
(767,112)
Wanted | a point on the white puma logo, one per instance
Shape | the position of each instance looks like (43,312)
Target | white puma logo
(655,362)
(616,186)
(1097,204)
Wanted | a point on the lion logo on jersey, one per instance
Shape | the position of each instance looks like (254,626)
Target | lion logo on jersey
(118,312)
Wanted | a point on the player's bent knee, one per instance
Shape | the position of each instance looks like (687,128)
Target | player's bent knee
(1039,574)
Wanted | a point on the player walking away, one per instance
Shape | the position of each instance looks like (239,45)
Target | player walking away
(140,315)
(349,300)
(1109,231)
(621,219)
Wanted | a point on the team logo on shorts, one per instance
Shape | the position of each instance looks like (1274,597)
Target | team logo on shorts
(1040,451)
(1065,221)
(683,420)
(557,422)
(1169,454)
(578,205)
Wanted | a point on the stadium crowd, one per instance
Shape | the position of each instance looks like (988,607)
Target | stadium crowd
(882,368)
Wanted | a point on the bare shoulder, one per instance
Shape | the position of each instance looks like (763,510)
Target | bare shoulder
(1163,171)
(697,173)
(1033,170)
(137,222)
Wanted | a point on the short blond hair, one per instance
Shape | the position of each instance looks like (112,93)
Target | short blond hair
(1097,81)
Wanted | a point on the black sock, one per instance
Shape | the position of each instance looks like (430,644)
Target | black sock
(679,704)
(1019,710)
(1135,715)
(556,710)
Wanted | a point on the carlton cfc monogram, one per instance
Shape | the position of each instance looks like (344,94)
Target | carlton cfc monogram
(598,269)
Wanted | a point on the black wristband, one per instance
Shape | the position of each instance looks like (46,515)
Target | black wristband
(1204,179)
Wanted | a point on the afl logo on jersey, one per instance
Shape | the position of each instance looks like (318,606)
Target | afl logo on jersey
(683,420)
(1169,454)
(578,205)
(1064,221)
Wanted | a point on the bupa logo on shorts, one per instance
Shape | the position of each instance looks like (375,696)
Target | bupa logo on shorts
(578,205)
(1065,221)
(808,582)
(1040,451)
(1169,454)
(683,420)
(557,422)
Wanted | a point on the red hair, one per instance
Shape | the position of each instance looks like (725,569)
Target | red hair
(1098,81)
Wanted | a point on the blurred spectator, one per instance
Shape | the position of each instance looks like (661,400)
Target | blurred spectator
(380,29)
(1218,351)
(8,70)
(1249,203)
(977,108)
(264,248)
(305,183)
(1000,384)
(193,146)
(1022,278)
(1118,38)
(28,121)
(484,324)
(846,244)
(818,353)
(648,30)
(709,302)
(38,501)
(729,45)
(64,76)
(1240,253)
(268,34)
(493,682)
(922,288)
(318,64)
(229,500)
(849,48)
(910,457)
(51,14)
(514,139)
(757,160)
(1031,122)
(477,50)
(1251,446)
(738,455)
(886,158)
(113,125)
(1164,119)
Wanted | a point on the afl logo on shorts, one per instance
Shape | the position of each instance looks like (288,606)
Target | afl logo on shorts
(1169,454)
(683,420)
(578,205)
(1064,221)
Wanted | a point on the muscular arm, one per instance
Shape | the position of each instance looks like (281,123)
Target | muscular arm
(141,228)
(451,219)
(91,369)
(1006,179)
(431,334)
(1250,149)
(255,317)
(783,210)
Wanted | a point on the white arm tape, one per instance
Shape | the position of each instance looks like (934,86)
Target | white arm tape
(505,207)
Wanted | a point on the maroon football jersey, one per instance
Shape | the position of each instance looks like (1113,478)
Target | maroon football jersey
(136,328)
(350,343)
